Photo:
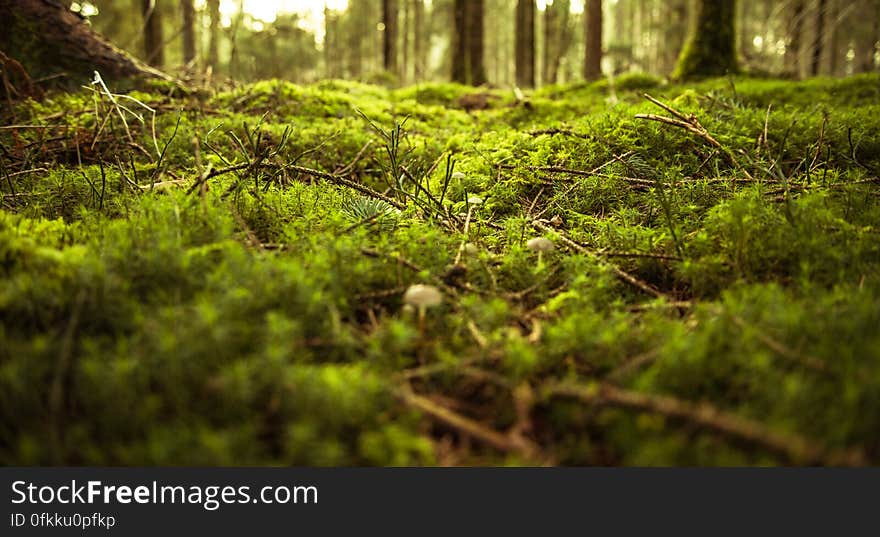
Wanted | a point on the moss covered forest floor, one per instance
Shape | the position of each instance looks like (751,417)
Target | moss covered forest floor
(217,278)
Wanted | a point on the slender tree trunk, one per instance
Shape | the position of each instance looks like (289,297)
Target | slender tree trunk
(48,40)
(593,40)
(389,36)
(419,38)
(476,42)
(869,34)
(525,43)
(460,43)
(189,31)
(551,42)
(154,45)
(214,34)
(406,42)
(818,38)
(795,34)
(710,49)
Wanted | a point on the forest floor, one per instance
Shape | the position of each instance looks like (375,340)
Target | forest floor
(218,278)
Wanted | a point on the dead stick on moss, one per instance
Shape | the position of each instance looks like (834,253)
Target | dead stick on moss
(692,125)
(62,371)
(794,448)
(469,427)
(622,274)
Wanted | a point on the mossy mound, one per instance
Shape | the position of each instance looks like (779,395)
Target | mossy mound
(219,279)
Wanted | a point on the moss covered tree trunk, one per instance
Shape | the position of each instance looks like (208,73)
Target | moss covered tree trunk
(710,49)
(52,42)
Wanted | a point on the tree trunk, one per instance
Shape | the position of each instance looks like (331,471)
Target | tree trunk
(389,36)
(675,30)
(867,36)
(593,40)
(419,39)
(214,34)
(710,49)
(154,45)
(477,68)
(406,42)
(551,42)
(467,51)
(460,43)
(189,31)
(525,43)
(49,40)
(818,38)
(795,33)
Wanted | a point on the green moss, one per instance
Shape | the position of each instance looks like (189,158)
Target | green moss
(267,326)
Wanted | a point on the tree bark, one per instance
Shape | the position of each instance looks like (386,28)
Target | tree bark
(49,40)
(214,34)
(593,40)
(467,49)
(476,61)
(710,49)
(389,36)
(419,39)
(460,43)
(795,32)
(525,43)
(154,45)
(818,38)
(188,31)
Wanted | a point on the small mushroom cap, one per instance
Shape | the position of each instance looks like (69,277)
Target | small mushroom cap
(471,248)
(422,296)
(540,244)
(475,200)
(458,176)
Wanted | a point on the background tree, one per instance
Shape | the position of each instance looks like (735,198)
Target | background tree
(214,34)
(154,45)
(593,40)
(188,14)
(476,58)
(710,49)
(818,37)
(467,60)
(389,35)
(525,43)
(793,41)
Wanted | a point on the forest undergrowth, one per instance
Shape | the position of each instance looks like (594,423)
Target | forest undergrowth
(219,278)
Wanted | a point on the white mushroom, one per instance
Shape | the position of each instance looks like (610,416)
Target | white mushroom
(540,244)
(458,176)
(475,200)
(422,296)
(471,248)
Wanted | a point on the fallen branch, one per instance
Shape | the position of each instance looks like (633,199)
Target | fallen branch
(796,449)
(622,274)
(473,429)
(691,124)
